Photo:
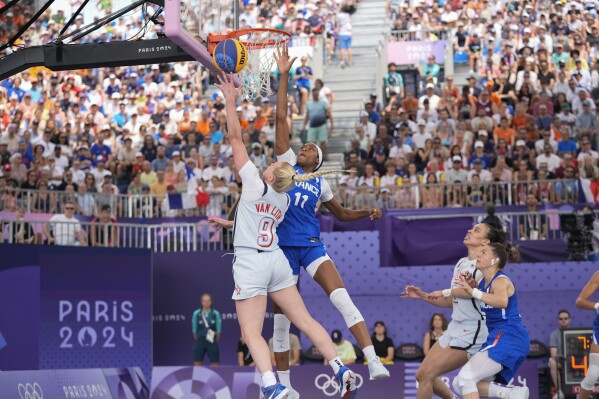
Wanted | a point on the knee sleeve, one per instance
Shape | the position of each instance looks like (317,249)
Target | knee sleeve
(346,307)
(281,334)
(592,374)
(465,382)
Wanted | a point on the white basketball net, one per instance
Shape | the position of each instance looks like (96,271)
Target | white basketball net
(261,46)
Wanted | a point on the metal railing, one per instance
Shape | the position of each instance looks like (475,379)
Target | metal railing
(519,226)
(439,195)
(421,35)
(172,237)
(121,205)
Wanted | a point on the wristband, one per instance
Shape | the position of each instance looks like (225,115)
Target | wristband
(446,292)
(477,294)
(597,306)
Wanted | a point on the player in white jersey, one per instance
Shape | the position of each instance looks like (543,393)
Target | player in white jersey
(583,302)
(260,268)
(467,330)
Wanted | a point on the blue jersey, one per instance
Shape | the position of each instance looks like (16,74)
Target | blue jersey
(508,342)
(300,227)
(498,318)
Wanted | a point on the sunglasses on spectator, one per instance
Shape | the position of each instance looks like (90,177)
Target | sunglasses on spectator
(69,208)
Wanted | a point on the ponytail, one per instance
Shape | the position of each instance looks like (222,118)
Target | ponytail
(505,253)
(285,177)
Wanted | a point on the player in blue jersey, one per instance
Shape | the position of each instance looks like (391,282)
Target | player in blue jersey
(583,302)
(299,236)
(508,342)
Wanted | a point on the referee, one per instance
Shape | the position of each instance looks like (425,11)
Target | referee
(206,327)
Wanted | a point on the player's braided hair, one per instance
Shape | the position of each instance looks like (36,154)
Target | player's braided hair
(285,177)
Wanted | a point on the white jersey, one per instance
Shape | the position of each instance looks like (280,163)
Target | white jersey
(465,309)
(259,212)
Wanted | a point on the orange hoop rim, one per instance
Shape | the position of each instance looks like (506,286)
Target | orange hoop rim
(213,40)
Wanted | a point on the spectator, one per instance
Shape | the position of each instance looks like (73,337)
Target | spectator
(533,225)
(206,328)
(383,345)
(556,351)
(317,114)
(456,173)
(64,229)
(244,357)
(303,74)
(436,328)
(566,189)
(345,349)
(294,351)
(22,232)
(103,231)
(386,200)
(394,83)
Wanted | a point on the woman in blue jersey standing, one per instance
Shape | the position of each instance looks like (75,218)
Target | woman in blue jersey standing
(206,325)
(508,342)
(583,302)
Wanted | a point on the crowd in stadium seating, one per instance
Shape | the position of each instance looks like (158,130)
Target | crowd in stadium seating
(525,123)
(95,137)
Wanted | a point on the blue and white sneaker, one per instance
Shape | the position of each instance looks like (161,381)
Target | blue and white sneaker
(277,391)
(347,383)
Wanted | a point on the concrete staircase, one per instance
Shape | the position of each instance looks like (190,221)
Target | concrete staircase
(353,85)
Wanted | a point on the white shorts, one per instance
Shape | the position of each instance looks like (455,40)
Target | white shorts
(468,336)
(258,273)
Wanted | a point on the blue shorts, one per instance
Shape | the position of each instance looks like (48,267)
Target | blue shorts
(344,42)
(310,258)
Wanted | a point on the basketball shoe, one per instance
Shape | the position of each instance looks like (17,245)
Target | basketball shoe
(347,383)
(518,393)
(276,391)
(376,369)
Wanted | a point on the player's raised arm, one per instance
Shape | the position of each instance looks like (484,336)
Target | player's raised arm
(583,301)
(230,93)
(282,128)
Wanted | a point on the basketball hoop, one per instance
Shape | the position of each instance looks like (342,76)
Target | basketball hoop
(261,44)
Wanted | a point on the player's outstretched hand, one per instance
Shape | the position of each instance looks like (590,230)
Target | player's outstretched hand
(282,59)
(412,292)
(227,86)
(375,214)
(463,282)
(220,222)
(469,279)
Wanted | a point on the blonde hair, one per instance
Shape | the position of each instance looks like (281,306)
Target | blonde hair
(285,177)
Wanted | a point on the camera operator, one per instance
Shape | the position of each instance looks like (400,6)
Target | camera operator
(595,234)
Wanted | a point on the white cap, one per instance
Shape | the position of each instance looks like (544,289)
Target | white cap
(527,30)
(421,122)
(479,144)
(520,143)
(430,86)
(363,114)
(176,153)
(138,154)
(115,96)
(155,67)
(112,76)
(457,158)
(483,133)
(239,109)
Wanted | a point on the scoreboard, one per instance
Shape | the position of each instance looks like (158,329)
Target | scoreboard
(577,344)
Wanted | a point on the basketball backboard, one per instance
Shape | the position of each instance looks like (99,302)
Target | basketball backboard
(187,23)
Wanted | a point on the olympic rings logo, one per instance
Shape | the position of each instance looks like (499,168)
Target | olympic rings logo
(329,385)
(30,391)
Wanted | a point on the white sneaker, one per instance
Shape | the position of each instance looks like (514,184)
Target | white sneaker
(518,393)
(558,395)
(293,394)
(376,369)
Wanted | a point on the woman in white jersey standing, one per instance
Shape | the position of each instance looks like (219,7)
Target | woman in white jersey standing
(467,330)
(260,267)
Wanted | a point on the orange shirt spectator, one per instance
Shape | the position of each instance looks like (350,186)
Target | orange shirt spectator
(504,132)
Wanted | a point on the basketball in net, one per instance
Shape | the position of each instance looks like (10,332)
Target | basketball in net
(230,56)
(261,44)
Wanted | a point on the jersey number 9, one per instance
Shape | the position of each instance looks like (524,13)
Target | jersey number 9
(265,232)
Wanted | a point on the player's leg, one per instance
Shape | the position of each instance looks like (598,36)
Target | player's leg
(199,350)
(250,315)
(213,352)
(324,272)
(586,387)
(438,361)
(480,368)
(292,304)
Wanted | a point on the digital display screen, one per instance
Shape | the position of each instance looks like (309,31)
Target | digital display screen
(576,344)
